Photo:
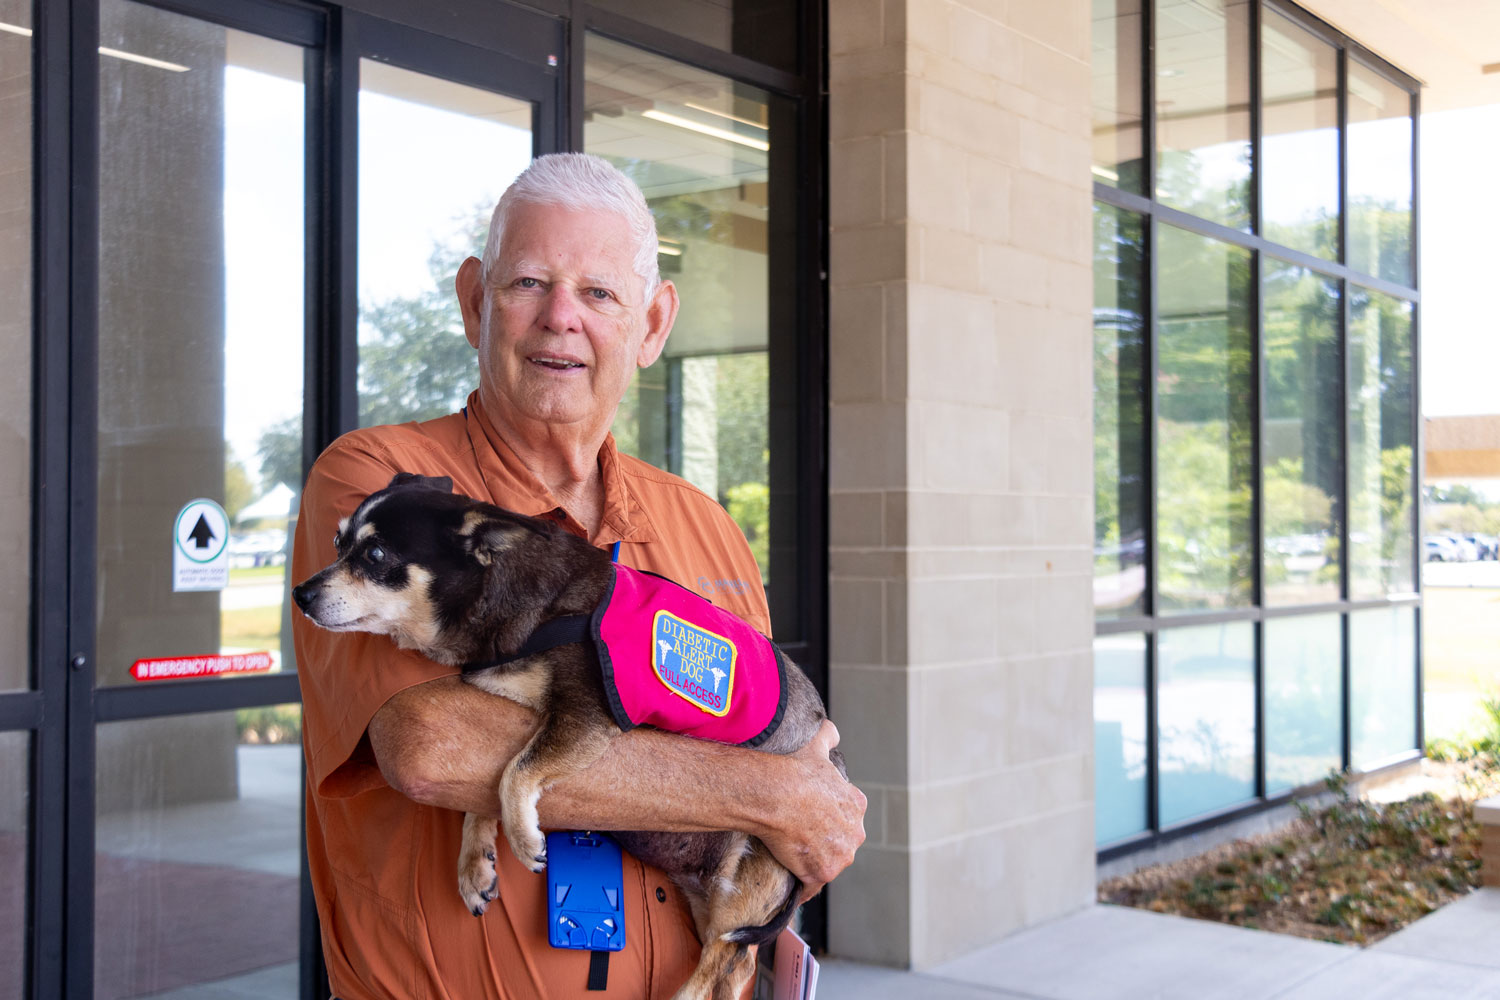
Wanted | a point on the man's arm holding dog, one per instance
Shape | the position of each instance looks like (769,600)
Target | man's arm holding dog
(445,743)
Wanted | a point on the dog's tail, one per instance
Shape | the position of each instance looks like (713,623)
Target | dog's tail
(768,930)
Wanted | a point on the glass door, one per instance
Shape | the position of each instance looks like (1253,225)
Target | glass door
(220,354)
(201,331)
(420,216)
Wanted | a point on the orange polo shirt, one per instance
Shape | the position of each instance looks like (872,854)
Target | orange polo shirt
(384,868)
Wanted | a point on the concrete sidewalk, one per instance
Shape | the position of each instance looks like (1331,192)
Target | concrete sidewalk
(1108,952)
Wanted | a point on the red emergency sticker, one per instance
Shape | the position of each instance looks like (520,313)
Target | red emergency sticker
(175,668)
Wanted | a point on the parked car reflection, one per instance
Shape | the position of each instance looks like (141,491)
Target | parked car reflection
(257,548)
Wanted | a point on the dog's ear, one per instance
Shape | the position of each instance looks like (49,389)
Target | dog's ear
(442,483)
(486,538)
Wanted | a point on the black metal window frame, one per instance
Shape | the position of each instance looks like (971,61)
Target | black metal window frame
(65,198)
(1152,623)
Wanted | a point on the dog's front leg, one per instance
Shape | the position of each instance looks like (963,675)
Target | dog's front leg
(564,744)
(477,880)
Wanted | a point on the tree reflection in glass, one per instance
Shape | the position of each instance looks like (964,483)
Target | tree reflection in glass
(1381,503)
(1119,414)
(1203,108)
(1204,398)
(1300,142)
(1380,176)
(1300,445)
(1117,117)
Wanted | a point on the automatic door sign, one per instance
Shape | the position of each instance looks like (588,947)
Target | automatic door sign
(200,547)
(175,668)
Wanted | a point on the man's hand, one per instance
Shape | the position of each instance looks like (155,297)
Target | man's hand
(823,823)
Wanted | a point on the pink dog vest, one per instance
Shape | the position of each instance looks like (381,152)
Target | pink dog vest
(673,660)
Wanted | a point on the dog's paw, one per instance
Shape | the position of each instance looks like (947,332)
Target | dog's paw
(477,882)
(530,848)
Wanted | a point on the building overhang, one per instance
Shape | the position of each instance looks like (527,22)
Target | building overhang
(1451,46)
(1462,448)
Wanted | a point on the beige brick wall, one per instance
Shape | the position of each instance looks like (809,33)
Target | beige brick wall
(961,470)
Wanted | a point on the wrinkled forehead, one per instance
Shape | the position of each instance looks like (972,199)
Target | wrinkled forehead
(586,243)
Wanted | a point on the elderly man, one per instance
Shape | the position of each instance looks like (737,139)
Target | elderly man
(566,304)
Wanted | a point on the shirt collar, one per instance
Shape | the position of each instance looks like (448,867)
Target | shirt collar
(514,486)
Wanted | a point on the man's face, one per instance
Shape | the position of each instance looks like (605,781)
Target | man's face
(561,321)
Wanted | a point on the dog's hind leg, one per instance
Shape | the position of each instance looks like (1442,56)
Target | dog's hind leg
(750,901)
(477,881)
(564,744)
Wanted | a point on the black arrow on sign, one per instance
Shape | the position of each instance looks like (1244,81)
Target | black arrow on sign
(201,534)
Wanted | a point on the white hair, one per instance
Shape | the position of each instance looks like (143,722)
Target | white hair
(583,182)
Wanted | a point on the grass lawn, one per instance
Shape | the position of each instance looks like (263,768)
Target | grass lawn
(254,574)
(251,628)
(1461,662)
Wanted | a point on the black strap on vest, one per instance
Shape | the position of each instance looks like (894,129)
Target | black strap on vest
(598,971)
(548,635)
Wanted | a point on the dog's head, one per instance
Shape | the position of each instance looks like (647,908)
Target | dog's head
(415,562)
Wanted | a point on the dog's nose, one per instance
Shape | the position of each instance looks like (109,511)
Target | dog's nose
(304,595)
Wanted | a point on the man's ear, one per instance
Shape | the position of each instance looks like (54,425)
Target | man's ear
(469,284)
(442,483)
(661,313)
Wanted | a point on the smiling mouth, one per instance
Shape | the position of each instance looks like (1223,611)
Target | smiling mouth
(556,364)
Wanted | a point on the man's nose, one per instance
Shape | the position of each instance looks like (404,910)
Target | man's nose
(560,311)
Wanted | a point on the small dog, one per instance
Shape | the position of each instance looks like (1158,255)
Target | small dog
(467,584)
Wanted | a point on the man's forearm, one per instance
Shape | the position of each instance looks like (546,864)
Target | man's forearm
(446,743)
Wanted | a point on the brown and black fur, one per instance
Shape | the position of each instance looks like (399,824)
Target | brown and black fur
(465,582)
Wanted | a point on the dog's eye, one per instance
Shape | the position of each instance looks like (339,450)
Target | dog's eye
(337,546)
(375,554)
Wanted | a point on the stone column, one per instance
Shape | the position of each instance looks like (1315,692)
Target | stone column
(961,468)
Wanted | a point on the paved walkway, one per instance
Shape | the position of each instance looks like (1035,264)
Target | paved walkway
(1115,953)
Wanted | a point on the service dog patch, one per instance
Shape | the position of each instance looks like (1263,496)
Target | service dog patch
(673,660)
(694,662)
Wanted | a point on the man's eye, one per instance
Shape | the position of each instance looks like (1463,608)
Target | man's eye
(374,554)
(600,294)
(528,283)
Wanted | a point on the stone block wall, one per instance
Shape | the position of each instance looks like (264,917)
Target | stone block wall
(961,627)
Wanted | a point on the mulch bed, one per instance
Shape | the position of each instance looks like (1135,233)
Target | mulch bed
(1351,872)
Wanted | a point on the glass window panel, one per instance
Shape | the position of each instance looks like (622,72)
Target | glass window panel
(420,216)
(763,30)
(1381,503)
(1380,177)
(1300,137)
(15,344)
(1117,119)
(201,252)
(15,813)
(1203,108)
(1120,479)
(1205,718)
(194,808)
(699,145)
(1300,445)
(1119,737)
(1204,399)
(1304,700)
(1382,684)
